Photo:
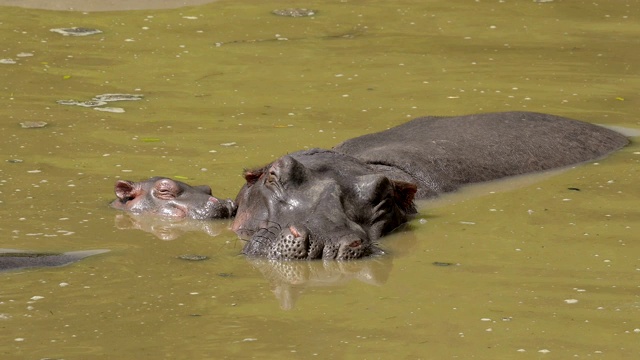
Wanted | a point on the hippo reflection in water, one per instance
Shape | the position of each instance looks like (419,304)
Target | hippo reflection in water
(335,204)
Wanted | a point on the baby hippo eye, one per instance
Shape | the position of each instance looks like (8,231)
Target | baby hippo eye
(165,194)
(166,189)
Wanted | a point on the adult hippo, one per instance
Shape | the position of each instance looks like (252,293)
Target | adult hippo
(334,204)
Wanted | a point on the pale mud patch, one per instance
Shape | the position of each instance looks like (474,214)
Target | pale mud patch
(626,131)
(102,5)
(490,187)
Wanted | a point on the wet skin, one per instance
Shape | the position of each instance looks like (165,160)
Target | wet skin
(319,204)
(171,198)
(336,204)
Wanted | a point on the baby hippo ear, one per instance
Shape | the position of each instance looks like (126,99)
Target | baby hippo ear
(125,190)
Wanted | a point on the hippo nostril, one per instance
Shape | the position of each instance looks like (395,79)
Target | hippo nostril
(355,244)
(291,244)
(351,247)
(294,231)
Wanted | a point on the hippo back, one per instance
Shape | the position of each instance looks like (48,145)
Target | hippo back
(443,153)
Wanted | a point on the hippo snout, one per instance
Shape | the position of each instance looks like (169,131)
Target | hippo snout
(290,244)
(296,242)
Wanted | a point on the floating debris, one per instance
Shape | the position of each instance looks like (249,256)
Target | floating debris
(110,109)
(76,31)
(24,54)
(67,102)
(103,99)
(441,263)
(8,61)
(294,12)
(118,97)
(228,144)
(15,161)
(33,124)
(193,257)
(88,103)
(91,103)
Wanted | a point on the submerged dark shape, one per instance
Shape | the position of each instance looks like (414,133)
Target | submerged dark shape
(171,198)
(334,204)
(11,259)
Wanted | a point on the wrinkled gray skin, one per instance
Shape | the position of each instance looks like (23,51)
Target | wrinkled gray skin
(334,204)
(171,198)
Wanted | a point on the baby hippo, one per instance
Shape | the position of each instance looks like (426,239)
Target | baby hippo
(171,198)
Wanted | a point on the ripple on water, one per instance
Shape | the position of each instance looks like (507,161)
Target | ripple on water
(76,31)
(294,12)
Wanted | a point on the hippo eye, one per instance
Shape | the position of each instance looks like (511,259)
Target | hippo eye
(272,178)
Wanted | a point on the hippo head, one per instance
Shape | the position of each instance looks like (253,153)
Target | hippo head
(319,204)
(171,198)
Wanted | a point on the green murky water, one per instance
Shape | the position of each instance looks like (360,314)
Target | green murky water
(539,269)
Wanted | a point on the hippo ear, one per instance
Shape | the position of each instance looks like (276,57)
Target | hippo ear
(374,189)
(125,190)
(381,204)
(251,176)
(404,193)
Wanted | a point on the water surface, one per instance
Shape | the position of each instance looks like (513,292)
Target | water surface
(539,268)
